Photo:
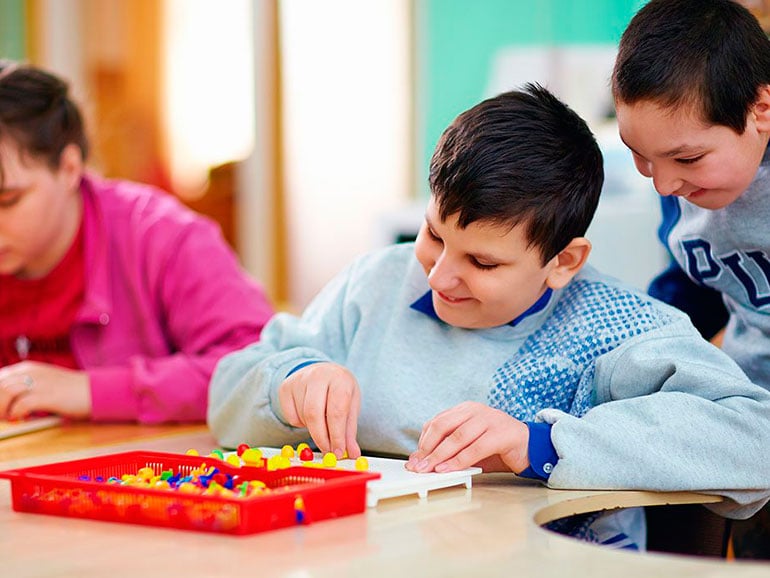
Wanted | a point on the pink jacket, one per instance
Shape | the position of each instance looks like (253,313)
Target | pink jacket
(165,298)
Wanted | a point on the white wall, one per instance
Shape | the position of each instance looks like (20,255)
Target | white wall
(346,107)
(208,88)
(255,179)
(624,229)
(61,50)
(578,74)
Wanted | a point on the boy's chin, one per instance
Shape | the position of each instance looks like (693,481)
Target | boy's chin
(12,269)
(712,200)
(465,322)
(709,206)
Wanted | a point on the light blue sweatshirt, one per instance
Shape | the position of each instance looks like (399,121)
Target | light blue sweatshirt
(728,250)
(636,398)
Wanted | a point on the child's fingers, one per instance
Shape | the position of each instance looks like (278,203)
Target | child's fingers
(438,428)
(314,415)
(351,429)
(11,393)
(322,398)
(291,400)
(21,407)
(339,406)
(431,433)
(456,443)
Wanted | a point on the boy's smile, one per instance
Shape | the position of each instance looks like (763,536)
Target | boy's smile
(450,300)
(481,276)
(708,165)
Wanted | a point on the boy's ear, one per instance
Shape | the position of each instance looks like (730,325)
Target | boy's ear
(761,109)
(568,262)
(71,165)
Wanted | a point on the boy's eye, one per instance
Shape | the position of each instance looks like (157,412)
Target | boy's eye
(689,161)
(433,235)
(9,198)
(486,266)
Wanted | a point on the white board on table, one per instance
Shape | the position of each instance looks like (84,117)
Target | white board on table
(395,480)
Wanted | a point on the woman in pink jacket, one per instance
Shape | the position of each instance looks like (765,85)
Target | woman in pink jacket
(116,301)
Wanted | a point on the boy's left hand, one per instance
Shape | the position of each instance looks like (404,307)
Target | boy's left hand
(470,434)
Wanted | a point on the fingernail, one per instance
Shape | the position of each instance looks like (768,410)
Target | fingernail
(421,466)
(441,468)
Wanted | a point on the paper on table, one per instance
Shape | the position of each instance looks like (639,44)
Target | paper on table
(14,428)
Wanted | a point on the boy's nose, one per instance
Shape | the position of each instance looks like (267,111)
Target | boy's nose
(643,166)
(442,275)
(666,182)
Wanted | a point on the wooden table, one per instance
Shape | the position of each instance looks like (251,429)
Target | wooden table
(490,530)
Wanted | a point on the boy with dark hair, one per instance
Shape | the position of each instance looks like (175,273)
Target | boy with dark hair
(488,342)
(692,93)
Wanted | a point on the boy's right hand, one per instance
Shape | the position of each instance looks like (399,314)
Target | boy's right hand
(324,398)
(29,387)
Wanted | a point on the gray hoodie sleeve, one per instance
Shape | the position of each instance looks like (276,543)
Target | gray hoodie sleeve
(683,417)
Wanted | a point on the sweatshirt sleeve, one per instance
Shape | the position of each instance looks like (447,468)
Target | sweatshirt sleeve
(207,307)
(243,403)
(673,413)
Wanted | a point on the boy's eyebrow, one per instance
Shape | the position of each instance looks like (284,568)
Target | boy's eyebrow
(480,256)
(629,146)
(676,151)
(680,150)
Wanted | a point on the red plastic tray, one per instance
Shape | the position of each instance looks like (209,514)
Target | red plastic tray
(57,489)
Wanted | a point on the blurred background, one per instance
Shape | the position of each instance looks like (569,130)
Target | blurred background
(305,127)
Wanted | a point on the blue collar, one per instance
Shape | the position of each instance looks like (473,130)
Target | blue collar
(425,305)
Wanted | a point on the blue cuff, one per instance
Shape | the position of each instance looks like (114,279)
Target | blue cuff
(542,454)
(301,365)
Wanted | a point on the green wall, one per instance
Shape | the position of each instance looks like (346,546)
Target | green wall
(457,39)
(12,37)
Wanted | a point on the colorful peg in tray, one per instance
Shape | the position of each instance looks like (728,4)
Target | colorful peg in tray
(306,454)
(329,460)
(252,457)
(299,509)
